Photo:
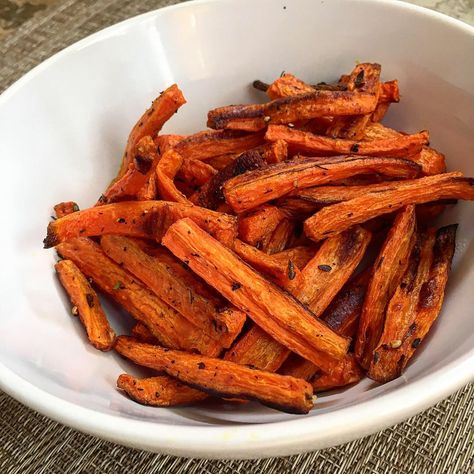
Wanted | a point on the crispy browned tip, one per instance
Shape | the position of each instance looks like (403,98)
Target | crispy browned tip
(222,378)
(159,391)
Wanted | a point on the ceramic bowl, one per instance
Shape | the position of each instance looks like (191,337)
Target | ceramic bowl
(63,127)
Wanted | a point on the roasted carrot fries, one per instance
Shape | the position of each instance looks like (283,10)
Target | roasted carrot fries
(287,249)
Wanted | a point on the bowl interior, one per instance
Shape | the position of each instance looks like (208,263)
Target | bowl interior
(63,129)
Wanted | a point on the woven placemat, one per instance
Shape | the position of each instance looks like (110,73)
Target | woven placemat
(440,440)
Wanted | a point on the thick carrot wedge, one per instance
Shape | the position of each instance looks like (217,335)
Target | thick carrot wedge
(318,103)
(160,391)
(256,228)
(401,310)
(166,170)
(252,189)
(387,272)
(168,326)
(143,334)
(151,122)
(181,294)
(338,217)
(284,273)
(299,255)
(364,77)
(64,208)
(211,143)
(222,378)
(86,304)
(331,267)
(429,303)
(145,219)
(257,349)
(210,195)
(281,316)
(306,142)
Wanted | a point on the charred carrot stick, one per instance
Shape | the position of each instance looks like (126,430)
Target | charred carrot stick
(305,106)
(210,195)
(386,275)
(151,122)
(145,219)
(257,227)
(331,267)
(143,334)
(342,314)
(211,143)
(401,310)
(364,77)
(281,316)
(166,170)
(86,304)
(168,326)
(222,378)
(306,142)
(64,208)
(258,349)
(252,189)
(181,294)
(159,391)
(338,217)
(428,307)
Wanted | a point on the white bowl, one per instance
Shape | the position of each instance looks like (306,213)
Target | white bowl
(62,130)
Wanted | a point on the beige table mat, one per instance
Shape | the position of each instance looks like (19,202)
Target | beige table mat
(440,440)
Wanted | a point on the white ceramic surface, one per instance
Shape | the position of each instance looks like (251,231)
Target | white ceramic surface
(63,128)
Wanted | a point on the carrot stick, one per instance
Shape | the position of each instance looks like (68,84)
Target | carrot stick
(338,217)
(86,304)
(143,334)
(252,189)
(166,170)
(222,378)
(144,219)
(306,142)
(160,391)
(151,122)
(386,275)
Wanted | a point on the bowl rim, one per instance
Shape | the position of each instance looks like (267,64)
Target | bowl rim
(250,440)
